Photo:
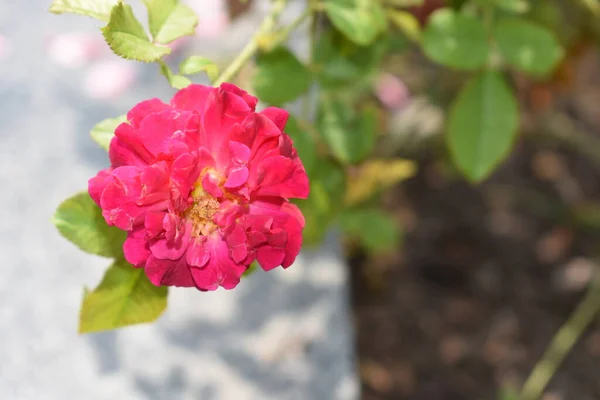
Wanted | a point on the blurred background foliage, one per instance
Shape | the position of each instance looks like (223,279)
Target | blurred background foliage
(454,144)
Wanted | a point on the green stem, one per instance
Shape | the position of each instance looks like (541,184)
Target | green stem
(562,343)
(250,49)
(283,34)
(312,40)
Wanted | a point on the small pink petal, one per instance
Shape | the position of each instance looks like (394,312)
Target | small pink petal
(270,257)
(196,255)
(135,248)
(237,177)
(6,48)
(391,91)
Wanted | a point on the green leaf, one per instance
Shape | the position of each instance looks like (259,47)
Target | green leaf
(482,125)
(304,143)
(327,188)
(251,269)
(341,64)
(527,46)
(455,40)
(360,20)
(195,64)
(280,77)
(373,227)
(80,220)
(404,3)
(508,393)
(99,9)
(126,37)
(351,139)
(514,6)
(104,131)
(124,297)
(177,81)
(169,20)
(407,23)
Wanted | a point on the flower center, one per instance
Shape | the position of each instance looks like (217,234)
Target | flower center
(202,211)
(201,214)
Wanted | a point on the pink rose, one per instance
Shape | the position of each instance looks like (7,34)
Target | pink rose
(202,187)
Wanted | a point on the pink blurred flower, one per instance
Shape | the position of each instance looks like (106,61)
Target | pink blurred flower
(202,186)
(108,79)
(213,17)
(74,49)
(391,91)
(5,47)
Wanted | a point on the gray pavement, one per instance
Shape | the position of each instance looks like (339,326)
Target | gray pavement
(279,335)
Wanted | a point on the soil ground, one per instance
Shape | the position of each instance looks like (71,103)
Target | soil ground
(487,274)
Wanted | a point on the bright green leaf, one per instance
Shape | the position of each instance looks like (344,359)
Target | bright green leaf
(351,138)
(99,9)
(280,78)
(124,297)
(127,38)
(304,143)
(527,46)
(169,20)
(360,20)
(455,40)
(177,81)
(482,125)
(80,220)
(407,23)
(373,227)
(104,131)
(195,64)
(251,269)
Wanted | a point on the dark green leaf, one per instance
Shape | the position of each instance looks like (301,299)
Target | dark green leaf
(169,20)
(482,125)
(104,131)
(195,64)
(304,143)
(124,297)
(80,220)
(280,78)
(350,138)
(127,38)
(455,40)
(373,227)
(341,64)
(527,46)
(360,20)
(99,9)
(327,189)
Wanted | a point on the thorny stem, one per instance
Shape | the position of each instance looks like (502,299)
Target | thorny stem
(563,342)
(251,48)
